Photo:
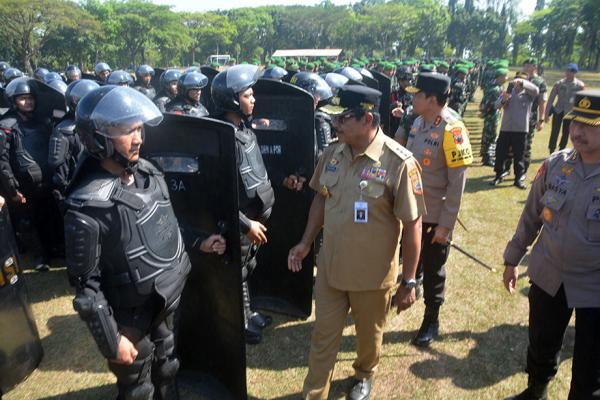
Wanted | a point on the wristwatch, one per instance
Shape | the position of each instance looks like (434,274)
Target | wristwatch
(410,283)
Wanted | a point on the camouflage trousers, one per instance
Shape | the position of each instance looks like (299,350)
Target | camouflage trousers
(489,135)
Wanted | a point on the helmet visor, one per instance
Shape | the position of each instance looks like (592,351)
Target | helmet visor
(241,77)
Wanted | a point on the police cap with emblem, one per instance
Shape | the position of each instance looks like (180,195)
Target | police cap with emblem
(430,82)
(587,107)
(353,97)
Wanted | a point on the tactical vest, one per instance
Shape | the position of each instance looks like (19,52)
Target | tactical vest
(149,255)
(149,92)
(256,194)
(181,107)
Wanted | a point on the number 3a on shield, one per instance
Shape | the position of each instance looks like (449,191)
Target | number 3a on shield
(176,185)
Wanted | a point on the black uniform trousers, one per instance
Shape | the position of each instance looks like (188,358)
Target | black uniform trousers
(507,141)
(430,269)
(557,124)
(548,319)
(152,375)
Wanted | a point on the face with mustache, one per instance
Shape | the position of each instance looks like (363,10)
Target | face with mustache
(586,140)
(127,140)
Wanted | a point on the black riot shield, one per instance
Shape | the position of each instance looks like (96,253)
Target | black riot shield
(50,103)
(198,158)
(385,87)
(155,81)
(20,346)
(370,82)
(284,125)
(91,77)
(205,97)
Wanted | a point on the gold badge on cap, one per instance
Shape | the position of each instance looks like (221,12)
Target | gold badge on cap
(584,103)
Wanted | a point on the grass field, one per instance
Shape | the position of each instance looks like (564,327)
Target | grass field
(481,353)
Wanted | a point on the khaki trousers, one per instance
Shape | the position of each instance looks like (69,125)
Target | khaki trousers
(369,310)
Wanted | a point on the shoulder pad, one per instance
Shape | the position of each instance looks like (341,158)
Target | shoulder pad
(147,167)
(399,150)
(82,241)
(66,127)
(8,123)
(93,191)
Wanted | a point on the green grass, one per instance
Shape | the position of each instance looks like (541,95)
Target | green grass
(481,354)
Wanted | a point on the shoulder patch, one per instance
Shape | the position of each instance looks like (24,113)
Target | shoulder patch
(399,150)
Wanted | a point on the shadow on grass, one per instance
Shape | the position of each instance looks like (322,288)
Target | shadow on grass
(43,286)
(498,354)
(96,393)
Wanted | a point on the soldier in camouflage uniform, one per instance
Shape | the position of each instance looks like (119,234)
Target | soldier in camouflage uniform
(538,108)
(459,95)
(491,117)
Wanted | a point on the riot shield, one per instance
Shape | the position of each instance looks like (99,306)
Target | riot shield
(284,124)
(20,347)
(197,156)
(385,87)
(91,77)
(155,81)
(205,97)
(370,82)
(50,103)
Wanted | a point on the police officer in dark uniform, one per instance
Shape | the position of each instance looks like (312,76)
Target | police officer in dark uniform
(120,78)
(144,76)
(73,73)
(233,96)
(321,92)
(65,145)
(168,88)
(26,174)
(189,91)
(102,71)
(125,251)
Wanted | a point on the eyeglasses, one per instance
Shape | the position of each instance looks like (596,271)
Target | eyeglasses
(343,118)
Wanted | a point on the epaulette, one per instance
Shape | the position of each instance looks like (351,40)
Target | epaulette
(399,150)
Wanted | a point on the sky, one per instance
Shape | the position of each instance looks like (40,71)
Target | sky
(526,6)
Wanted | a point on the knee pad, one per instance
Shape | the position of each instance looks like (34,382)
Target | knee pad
(145,391)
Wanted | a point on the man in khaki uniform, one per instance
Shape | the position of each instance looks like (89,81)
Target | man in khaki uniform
(440,142)
(562,216)
(369,188)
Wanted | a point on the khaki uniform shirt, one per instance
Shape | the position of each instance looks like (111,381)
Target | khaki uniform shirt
(563,213)
(565,91)
(443,151)
(364,256)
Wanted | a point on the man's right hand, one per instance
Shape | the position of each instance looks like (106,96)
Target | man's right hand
(510,276)
(296,255)
(256,234)
(19,198)
(126,353)
(398,112)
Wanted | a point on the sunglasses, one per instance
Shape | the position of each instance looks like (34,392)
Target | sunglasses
(343,118)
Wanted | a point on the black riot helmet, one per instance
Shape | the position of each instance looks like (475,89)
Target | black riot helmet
(191,80)
(144,70)
(73,73)
(227,86)
(352,74)
(12,73)
(335,81)
(313,84)
(275,73)
(120,78)
(18,87)
(108,112)
(58,85)
(4,66)
(40,73)
(77,89)
(365,72)
(101,66)
(404,74)
(169,75)
(52,76)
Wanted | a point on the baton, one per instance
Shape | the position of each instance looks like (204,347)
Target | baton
(478,261)
(461,224)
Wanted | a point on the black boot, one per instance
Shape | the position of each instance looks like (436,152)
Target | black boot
(253,332)
(497,180)
(261,320)
(429,329)
(535,391)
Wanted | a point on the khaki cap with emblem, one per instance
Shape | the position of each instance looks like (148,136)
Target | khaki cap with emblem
(586,108)
(353,97)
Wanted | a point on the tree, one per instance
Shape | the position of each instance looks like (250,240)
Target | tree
(208,32)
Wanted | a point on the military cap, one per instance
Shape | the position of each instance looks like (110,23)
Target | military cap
(501,72)
(430,82)
(353,97)
(426,67)
(444,64)
(462,69)
(531,60)
(587,107)
(310,65)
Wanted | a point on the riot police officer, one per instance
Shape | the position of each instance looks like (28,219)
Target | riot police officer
(25,170)
(11,74)
(3,67)
(65,145)
(321,92)
(189,91)
(144,76)
(233,96)
(125,251)
(73,73)
(102,71)
(120,78)
(39,74)
(168,88)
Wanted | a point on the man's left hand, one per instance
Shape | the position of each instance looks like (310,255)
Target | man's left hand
(441,235)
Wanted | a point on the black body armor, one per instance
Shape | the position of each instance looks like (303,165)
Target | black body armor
(182,107)
(149,92)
